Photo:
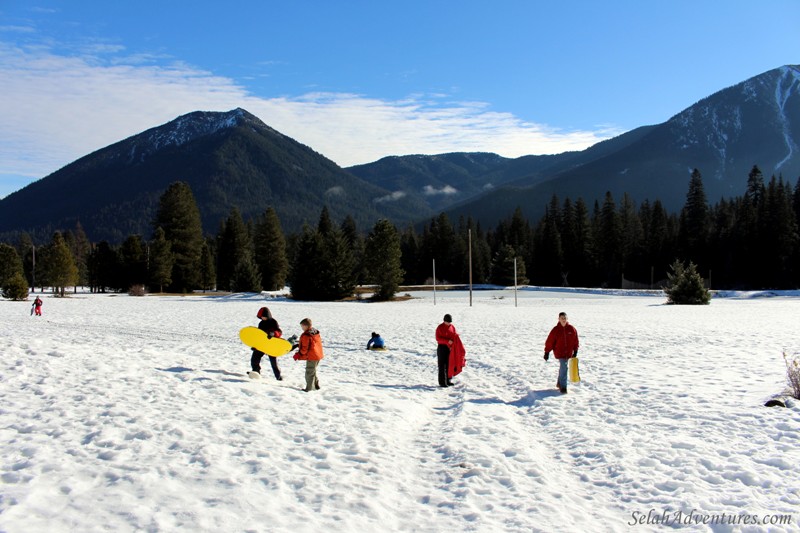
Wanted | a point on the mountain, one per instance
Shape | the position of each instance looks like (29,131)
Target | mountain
(229,159)
(441,181)
(754,122)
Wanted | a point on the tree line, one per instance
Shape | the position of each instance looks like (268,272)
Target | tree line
(749,241)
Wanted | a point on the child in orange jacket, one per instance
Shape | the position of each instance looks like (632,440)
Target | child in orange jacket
(310,351)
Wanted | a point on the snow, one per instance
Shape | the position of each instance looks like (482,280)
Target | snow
(787,84)
(123,414)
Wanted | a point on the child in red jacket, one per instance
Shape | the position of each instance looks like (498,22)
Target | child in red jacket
(563,342)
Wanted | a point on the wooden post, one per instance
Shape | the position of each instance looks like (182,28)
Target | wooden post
(434,282)
(515,282)
(470,266)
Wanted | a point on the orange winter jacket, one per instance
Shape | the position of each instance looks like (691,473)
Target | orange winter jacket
(310,346)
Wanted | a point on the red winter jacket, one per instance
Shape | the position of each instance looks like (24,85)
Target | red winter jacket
(445,334)
(562,341)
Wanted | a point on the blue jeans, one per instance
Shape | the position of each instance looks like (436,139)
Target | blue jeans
(562,373)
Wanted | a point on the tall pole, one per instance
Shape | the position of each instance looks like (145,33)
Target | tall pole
(515,282)
(434,282)
(33,268)
(470,267)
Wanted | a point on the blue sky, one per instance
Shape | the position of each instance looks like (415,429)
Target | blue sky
(361,80)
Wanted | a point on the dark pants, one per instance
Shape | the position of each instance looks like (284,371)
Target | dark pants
(255,363)
(443,354)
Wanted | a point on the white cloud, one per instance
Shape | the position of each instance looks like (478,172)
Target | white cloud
(56,108)
(336,190)
(391,197)
(430,190)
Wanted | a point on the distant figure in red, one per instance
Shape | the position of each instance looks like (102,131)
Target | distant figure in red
(449,351)
(563,342)
(37,306)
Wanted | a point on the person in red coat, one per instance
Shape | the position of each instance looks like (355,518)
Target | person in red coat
(450,352)
(563,342)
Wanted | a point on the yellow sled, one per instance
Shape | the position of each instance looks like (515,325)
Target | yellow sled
(574,374)
(255,338)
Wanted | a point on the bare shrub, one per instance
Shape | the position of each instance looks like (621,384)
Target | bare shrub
(137,290)
(793,373)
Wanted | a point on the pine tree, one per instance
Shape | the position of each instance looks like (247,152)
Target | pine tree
(686,287)
(410,257)
(161,260)
(15,288)
(357,244)
(234,246)
(10,263)
(503,267)
(80,252)
(306,266)
(270,251)
(382,259)
(25,251)
(179,217)
(61,269)
(133,259)
(608,243)
(335,278)
(694,223)
(778,235)
(246,277)
(104,268)
(755,185)
(208,273)
(632,239)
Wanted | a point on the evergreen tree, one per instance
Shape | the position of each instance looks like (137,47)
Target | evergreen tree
(234,246)
(503,267)
(549,251)
(632,240)
(335,277)
(25,251)
(80,251)
(755,185)
(796,201)
(686,287)
(15,288)
(382,259)
(357,246)
(208,274)
(306,265)
(104,268)
(61,269)
(270,251)
(694,223)
(10,263)
(133,260)
(410,257)
(778,235)
(246,277)
(658,249)
(179,217)
(608,243)
(161,260)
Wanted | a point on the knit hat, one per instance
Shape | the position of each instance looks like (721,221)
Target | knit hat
(448,319)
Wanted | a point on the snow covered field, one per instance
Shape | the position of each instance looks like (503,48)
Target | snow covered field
(122,414)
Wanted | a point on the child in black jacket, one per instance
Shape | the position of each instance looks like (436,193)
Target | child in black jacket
(270,326)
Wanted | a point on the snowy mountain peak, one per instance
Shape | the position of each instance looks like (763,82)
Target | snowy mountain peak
(189,127)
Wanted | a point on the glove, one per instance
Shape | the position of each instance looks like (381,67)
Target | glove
(296,357)
(575,353)
(546,356)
